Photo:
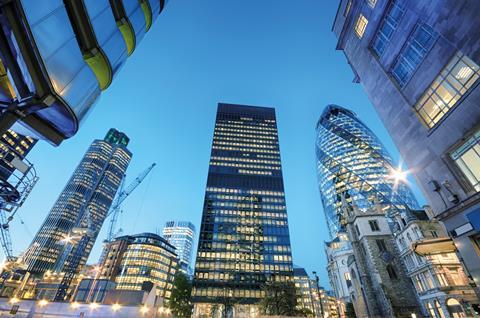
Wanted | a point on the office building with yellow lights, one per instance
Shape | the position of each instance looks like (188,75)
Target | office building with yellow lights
(132,261)
(83,204)
(244,240)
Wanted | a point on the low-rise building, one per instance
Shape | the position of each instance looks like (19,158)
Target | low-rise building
(305,293)
(441,285)
(130,261)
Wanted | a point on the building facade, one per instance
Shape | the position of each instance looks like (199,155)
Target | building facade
(351,161)
(131,261)
(442,288)
(305,297)
(338,251)
(352,166)
(181,234)
(379,281)
(244,240)
(419,62)
(83,203)
(59,56)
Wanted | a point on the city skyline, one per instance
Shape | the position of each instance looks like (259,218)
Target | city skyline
(295,134)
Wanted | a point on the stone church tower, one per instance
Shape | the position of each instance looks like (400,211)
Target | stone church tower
(382,282)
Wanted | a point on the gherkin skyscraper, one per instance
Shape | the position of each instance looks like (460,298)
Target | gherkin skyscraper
(352,164)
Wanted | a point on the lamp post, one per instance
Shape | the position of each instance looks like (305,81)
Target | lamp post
(317,280)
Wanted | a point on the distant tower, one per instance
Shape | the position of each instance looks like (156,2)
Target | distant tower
(181,234)
(351,160)
(91,188)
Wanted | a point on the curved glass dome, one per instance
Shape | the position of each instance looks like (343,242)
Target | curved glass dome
(353,164)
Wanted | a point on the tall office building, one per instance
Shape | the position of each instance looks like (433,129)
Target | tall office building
(351,161)
(419,63)
(181,234)
(58,55)
(244,239)
(84,202)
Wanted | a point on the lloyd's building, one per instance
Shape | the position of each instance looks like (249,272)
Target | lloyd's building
(57,56)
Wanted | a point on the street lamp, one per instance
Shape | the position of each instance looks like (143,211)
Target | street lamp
(319,294)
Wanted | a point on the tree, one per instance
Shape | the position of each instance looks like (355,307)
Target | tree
(280,299)
(180,302)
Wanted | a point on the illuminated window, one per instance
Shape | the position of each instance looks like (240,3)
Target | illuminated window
(467,159)
(418,44)
(460,74)
(361,26)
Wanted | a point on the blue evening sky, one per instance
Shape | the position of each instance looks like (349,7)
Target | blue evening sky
(268,53)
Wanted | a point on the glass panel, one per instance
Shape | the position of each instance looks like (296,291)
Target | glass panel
(107,32)
(456,79)
(137,19)
(34,12)
(155,7)
(413,53)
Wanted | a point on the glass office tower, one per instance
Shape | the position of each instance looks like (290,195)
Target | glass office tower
(244,240)
(132,260)
(58,55)
(181,234)
(84,202)
(353,164)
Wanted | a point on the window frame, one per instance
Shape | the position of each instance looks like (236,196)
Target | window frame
(385,20)
(375,228)
(363,19)
(454,168)
(431,92)
(409,44)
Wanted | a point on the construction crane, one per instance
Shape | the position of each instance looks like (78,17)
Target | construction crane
(13,192)
(122,195)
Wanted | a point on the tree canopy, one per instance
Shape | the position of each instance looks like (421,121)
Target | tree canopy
(180,302)
(280,299)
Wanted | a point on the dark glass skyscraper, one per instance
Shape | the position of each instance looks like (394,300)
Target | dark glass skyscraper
(89,192)
(244,240)
(353,163)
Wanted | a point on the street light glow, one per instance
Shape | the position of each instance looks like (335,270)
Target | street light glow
(144,309)
(75,305)
(14,300)
(93,306)
(116,307)
(43,303)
